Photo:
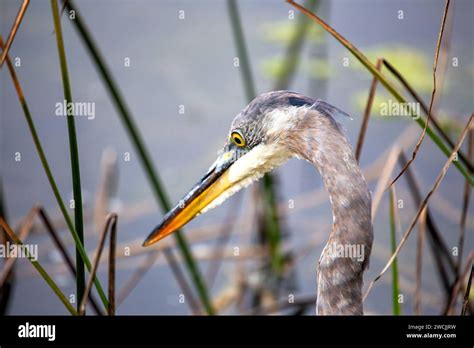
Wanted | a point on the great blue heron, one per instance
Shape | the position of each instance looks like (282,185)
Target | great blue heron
(274,127)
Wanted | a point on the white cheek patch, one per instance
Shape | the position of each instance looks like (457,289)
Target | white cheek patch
(261,159)
(251,167)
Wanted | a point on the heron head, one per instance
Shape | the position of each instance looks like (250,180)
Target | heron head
(256,143)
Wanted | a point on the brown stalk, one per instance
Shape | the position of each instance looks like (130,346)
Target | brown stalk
(328,28)
(384,178)
(112,223)
(62,249)
(458,285)
(382,78)
(111,282)
(419,261)
(25,229)
(424,203)
(368,108)
(106,188)
(435,66)
(424,107)
(204,253)
(42,272)
(465,204)
(439,249)
(467,293)
(8,283)
(444,54)
(13,31)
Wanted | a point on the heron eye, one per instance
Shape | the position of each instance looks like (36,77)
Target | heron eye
(238,139)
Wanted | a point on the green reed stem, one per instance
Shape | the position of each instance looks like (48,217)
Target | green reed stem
(241,47)
(74,153)
(134,134)
(295,46)
(393,247)
(272,225)
(387,84)
(49,174)
(39,268)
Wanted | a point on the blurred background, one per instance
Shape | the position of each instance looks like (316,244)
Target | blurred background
(183,85)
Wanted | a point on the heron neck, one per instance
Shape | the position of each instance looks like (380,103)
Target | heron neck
(346,254)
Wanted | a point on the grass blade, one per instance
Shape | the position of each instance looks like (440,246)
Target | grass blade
(368,108)
(393,245)
(40,269)
(7,285)
(139,145)
(424,203)
(111,222)
(271,224)
(241,47)
(49,174)
(293,51)
(457,288)
(62,249)
(74,152)
(440,252)
(435,67)
(14,30)
(465,204)
(468,292)
(384,178)
(417,308)
(424,107)
(387,84)
(25,229)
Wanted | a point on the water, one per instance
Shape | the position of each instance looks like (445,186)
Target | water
(190,62)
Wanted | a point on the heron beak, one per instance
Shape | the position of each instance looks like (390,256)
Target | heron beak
(212,185)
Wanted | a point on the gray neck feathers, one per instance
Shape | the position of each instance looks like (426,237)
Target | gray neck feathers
(319,139)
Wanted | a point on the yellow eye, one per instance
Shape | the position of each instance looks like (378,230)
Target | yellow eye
(238,139)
